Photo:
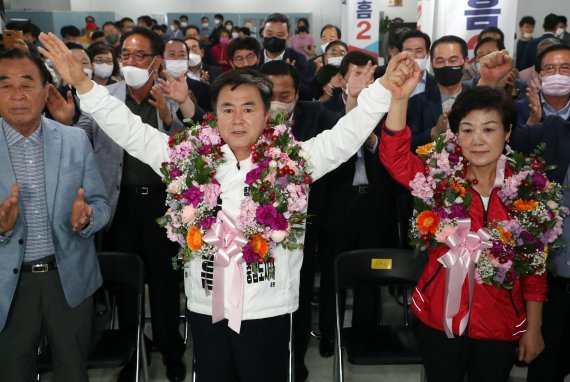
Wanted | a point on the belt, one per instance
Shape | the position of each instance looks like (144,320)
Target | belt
(40,266)
(144,190)
(361,189)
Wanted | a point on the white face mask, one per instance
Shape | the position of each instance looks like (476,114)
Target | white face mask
(527,35)
(281,107)
(136,77)
(175,67)
(88,72)
(194,59)
(183,24)
(235,34)
(173,28)
(422,63)
(103,70)
(559,32)
(217,22)
(335,61)
(205,25)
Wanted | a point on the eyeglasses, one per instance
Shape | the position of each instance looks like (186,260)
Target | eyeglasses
(563,69)
(336,53)
(249,58)
(103,61)
(137,56)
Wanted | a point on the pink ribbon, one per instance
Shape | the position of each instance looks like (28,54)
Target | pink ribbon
(465,249)
(229,240)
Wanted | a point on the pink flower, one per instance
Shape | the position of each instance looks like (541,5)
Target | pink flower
(188,214)
(181,151)
(247,213)
(297,199)
(280,129)
(211,192)
(422,187)
(445,232)
(209,136)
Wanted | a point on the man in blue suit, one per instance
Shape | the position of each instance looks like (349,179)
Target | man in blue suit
(53,202)
(530,52)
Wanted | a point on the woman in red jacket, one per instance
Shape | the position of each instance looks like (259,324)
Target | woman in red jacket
(473,306)
(220,51)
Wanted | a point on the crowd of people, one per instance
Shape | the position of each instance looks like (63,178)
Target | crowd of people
(129,87)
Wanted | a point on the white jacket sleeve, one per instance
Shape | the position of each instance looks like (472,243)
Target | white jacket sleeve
(142,141)
(331,148)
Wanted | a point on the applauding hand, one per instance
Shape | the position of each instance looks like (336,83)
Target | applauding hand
(9,210)
(80,212)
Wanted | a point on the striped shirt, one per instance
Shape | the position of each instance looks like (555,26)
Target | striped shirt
(27,156)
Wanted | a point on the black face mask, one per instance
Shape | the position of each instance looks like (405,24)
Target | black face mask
(448,75)
(302,29)
(274,44)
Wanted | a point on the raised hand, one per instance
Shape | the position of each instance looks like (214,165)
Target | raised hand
(61,109)
(80,212)
(404,78)
(360,78)
(9,210)
(174,88)
(440,126)
(534,105)
(291,62)
(70,70)
(494,67)
(159,102)
(205,77)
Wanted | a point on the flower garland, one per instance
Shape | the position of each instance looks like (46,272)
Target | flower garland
(519,245)
(278,183)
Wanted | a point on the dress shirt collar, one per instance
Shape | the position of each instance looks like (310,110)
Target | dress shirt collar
(14,137)
(563,113)
(278,58)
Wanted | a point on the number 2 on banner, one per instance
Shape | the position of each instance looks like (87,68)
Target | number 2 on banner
(363,35)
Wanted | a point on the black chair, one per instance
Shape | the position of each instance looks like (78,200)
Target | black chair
(122,272)
(385,344)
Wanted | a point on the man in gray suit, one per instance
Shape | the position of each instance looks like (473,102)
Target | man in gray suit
(53,201)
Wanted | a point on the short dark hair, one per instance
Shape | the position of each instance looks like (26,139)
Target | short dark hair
(111,23)
(204,17)
(177,40)
(281,68)
(176,22)
(243,76)
(483,98)
(183,17)
(74,45)
(17,54)
(304,20)
(485,40)
(156,42)
(550,22)
(245,31)
(97,34)
(69,31)
(146,19)
(449,39)
(329,26)
(243,43)
(323,77)
(493,30)
(562,19)
(357,58)
(552,48)
(527,20)
(278,18)
(414,33)
(26,28)
(191,27)
(219,16)
(335,43)
(124,20)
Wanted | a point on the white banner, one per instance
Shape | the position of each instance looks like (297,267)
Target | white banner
(467,18)
(360,25)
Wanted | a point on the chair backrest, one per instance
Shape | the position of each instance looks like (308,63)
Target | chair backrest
(377,266)
(121,271)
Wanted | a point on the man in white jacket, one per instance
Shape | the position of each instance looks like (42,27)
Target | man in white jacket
(242,100)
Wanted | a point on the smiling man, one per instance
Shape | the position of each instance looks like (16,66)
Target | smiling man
(242,100)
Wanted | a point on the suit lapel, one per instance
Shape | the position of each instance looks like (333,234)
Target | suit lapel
(52,160)
(8,177)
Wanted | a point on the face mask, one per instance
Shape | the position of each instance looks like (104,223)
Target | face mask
(194,59)
(235,34)
(527,35)
(273,44)
(302,29)
(324,46)
(173,28)
(448,75)
(422,63)
(183,24)
(112,38)
(281,107)
(559,32)
(224,40)
(175,67)
(229,28)
(335,61)
(217,21)
(136,77)
(88,72)
(205,25)
(103,70)
(556,85)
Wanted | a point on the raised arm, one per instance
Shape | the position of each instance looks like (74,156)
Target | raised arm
(139,139)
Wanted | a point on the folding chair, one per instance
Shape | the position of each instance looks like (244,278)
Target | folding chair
(122,272)
(385,344)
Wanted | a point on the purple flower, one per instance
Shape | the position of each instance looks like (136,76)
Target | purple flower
(207,222)
(441,212)
(539,180)
(193,195)
(528,238)
(175,172)
(249,255)
(457,211)
(268,215)
(255,174)
(203,150)
(454,158)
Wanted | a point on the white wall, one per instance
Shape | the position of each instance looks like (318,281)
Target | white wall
(539,9)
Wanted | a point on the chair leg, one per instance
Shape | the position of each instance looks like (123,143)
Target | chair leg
(193,369)
(291,350)
(338,373)
(144,359)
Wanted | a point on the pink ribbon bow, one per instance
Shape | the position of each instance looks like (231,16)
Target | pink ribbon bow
(465,249)
(229,240)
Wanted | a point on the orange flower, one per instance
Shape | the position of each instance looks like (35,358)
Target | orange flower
(505,236)
(259,245)
(459,189)
(428,222)
(194,238)
(525,206)
(425,149)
